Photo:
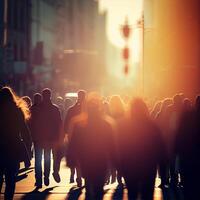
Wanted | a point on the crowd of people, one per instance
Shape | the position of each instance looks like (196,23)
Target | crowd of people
(104,140)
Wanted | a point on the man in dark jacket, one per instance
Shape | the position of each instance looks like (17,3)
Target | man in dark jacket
(47,129)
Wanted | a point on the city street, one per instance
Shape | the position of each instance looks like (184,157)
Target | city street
(64,190)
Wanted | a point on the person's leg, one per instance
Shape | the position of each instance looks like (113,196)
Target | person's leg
(72,174)
(113,174)
(10,177)
(38,165)
(98,184)
(132,186)
(78,174)
(107,180)
(173,173)
(119,178)
(191,182)
(47,165)
(89,189)
(56,165)
(163,174)
(147,187)
(2,170)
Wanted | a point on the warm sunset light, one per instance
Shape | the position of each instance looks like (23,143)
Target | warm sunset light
(118,10)
(99,99)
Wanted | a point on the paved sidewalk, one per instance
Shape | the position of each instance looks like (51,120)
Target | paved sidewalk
(25,189)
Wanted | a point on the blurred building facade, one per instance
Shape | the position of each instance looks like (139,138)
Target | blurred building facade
(48,36)
(15,41)
(82,63)
(36,36)
(172,37)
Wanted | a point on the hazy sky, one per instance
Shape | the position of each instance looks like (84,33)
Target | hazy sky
(117,11)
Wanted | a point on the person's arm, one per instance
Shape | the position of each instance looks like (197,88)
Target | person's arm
(60,128)
(25,132)
(73,148)
(67,121)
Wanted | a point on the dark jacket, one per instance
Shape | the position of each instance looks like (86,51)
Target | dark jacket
(47,125)
(92,146)
(14,134)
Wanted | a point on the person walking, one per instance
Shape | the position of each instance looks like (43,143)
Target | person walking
(15,137)
(47,131)
(72,112)
(92,147)
(140,151)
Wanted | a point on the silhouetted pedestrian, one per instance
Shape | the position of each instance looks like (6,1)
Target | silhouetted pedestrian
(140,151)
(46,138)
(27,162)
(14,136)
(188,149)
(173,113)
(67,104)
(60,103)
(92,147)
(161,120)
(72,112)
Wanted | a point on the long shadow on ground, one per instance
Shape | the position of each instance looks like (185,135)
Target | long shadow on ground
(74,193)
(35,194)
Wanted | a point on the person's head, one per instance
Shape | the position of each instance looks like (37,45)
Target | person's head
(7,96)
(157,107)
(197,104)
(81,96)
(182,95)
(9,99)
(28,100)
(177,100)
(37,98)
(187,104)
(67,103)
(94,105)
(46,95)
(116,106)
(166,102)
(59,101)
(106,109)
(139,109)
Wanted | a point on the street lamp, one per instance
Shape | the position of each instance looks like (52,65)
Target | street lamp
(140,24)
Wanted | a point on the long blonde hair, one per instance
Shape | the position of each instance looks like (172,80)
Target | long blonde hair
(7,95)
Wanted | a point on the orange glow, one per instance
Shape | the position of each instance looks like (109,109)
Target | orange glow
(117,12)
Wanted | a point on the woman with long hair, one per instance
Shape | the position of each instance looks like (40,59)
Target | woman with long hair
(14,136)
(141,149)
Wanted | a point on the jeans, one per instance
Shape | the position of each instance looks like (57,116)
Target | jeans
(46,153)
(9,170)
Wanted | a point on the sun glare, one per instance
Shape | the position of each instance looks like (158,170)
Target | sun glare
(118,10)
